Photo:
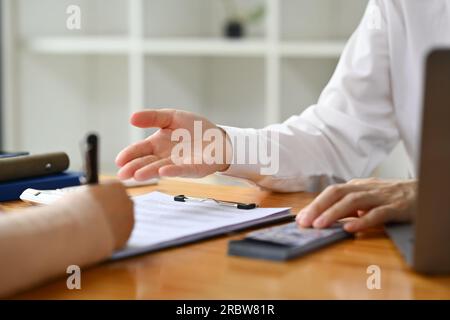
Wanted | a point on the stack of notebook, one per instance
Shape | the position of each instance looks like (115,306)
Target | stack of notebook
(44,171)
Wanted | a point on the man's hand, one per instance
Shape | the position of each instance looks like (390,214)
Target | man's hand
(152,157)
(372,201)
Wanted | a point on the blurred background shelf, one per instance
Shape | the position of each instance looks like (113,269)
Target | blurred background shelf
(180,47)
(123,45)
(77,45)
(131,54)
(204,47)
(312,49)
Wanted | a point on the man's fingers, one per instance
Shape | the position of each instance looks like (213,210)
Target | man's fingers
(151,170)
(134,151)
(323,201)
(128,170)
(183,170)
(347,206)
(172,170)
(159,118)
(373,218)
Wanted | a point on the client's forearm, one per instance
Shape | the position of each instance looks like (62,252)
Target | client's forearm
(39,243)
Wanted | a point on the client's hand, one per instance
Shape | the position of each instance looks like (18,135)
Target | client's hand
(82,228)
(155,155)
(372,201)
(117,208)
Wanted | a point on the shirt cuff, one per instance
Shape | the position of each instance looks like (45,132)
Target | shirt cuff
(241,166)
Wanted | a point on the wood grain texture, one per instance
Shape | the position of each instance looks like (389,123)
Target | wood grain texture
(204,271)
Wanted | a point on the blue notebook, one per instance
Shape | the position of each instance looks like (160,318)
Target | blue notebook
(12,190)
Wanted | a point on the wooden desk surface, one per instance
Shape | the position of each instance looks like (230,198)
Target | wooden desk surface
(204,271)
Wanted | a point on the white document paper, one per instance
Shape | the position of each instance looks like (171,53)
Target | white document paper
(160,221)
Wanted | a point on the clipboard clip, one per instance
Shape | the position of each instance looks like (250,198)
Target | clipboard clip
(239,205)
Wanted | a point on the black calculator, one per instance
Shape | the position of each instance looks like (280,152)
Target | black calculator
(285,242)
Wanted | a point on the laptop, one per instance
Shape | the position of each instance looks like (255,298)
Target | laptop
(425,243)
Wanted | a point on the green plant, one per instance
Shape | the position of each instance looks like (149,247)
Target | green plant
(235,14)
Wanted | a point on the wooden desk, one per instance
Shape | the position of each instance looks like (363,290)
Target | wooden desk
(204,271)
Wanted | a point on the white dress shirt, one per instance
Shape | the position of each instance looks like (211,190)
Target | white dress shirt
(373,100)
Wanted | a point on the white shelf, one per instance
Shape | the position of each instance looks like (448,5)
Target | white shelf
(312,49)
(205,47)
(124,45)
(183,47)
(77,45)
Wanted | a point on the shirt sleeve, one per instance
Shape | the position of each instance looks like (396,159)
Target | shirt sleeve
(350,130)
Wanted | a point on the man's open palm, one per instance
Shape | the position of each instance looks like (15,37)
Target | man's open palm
(152,157)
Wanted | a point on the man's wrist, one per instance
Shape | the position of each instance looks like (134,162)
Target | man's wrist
(228,151)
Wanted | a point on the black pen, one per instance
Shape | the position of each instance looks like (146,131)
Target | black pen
(91,159)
